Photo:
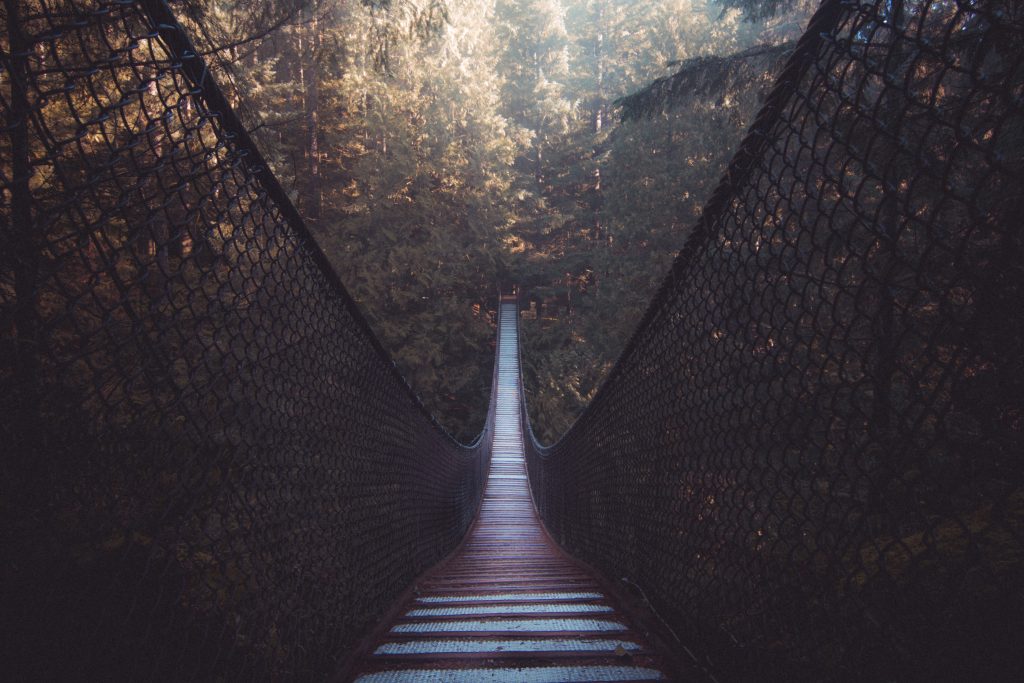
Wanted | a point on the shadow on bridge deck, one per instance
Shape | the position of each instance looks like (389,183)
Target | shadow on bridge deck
(509,605)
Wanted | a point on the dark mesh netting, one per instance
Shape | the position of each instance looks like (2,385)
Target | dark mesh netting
(810,457)
(211,468)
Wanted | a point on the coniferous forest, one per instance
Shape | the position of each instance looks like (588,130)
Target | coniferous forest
(438,148)
(767,265)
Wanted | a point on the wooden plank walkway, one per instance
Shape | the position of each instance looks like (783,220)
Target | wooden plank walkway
(509,606)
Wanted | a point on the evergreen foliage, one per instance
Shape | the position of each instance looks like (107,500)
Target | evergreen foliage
(438,149)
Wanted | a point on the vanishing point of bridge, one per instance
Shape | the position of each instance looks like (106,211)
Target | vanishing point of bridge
(805,465)
(509,605)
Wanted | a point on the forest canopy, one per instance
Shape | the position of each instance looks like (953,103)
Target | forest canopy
(438,148)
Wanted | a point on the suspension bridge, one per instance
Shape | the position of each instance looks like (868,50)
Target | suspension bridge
(806,464)
(509,597)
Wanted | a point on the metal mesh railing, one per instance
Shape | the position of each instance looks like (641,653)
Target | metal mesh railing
(809,457)
(211,469)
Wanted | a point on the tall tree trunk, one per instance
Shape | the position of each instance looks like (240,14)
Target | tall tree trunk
(313,119)
(599,104)
(538,164)
(599,61)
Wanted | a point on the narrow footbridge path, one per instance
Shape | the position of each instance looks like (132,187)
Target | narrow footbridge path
(806,460)
(509,605)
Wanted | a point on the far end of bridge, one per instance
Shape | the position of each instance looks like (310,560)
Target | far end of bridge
(509,605)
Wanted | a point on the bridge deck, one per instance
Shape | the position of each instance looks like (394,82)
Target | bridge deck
(510,605)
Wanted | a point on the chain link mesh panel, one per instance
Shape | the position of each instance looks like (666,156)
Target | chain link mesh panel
(211,469)
(809,457)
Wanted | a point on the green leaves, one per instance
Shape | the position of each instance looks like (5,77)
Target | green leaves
(467,141)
